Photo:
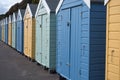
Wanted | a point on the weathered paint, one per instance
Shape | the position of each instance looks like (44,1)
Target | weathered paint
(113,40)
(14,30)
(81,40)
(29,33)
(10,31)
(20,31)
(45,52)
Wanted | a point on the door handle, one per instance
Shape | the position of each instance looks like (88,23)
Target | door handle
(83,50)
(40,25)
(112,52)
(68,24)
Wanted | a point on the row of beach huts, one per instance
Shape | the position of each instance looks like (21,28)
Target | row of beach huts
(66,36)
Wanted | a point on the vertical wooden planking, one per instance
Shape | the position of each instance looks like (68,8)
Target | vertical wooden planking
(10,34)
(63,46)
(13,30)
(44,39)
(38,43)
(75,41)
(29,37)
(20,32)
(6,30)
(26,34)
(14,34)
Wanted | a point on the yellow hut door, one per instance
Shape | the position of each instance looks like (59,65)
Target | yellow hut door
(26,37)
(30,37)
(10,34)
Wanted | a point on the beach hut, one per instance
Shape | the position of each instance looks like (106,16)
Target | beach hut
(10,31)
(81,36)
(113,40)
(29,31)
(14,29)
(6,30)
(20,30)
(3,30)
(46,34)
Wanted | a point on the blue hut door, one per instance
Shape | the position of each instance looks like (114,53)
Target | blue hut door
(6,33)
(69,43)
(75,49)
(18,35)
(65,43)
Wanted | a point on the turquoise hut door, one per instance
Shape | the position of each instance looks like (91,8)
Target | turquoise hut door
(38,40)
(43,39)
(14,34)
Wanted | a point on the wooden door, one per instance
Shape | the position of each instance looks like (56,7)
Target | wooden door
(38,34)
(26,37)
(30,37)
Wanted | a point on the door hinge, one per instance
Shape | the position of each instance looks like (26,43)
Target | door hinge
(112,53)
(60,63)
(67,64)
(80,72)
(81,14)
(61,17)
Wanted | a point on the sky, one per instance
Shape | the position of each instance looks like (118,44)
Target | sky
(6,4)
